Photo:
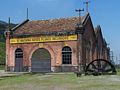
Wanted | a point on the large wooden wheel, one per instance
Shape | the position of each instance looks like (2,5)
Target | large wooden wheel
(100,67)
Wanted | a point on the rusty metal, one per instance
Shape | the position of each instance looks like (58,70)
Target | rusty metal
(100,67)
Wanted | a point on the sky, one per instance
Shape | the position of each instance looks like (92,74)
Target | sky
(105,13)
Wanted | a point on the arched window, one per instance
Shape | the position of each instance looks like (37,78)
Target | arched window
(66,55)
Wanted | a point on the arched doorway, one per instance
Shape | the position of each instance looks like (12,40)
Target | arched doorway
(41,61)
(18,60)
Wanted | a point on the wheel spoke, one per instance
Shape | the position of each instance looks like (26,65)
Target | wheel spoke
(90,70)
(99,64)
(94,66)
(104,66)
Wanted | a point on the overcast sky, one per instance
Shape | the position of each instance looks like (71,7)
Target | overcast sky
(103,12)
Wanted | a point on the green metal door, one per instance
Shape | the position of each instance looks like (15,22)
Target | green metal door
(18,60)
(41,61)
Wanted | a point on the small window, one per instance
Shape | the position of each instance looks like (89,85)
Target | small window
(19,53)
(66,55)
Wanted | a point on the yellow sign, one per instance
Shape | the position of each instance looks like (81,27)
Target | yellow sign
(43,39)
(41,45)
(65,44)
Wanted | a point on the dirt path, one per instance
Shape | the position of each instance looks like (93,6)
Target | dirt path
(5,74)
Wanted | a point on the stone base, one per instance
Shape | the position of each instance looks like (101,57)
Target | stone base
(25,69)
(10,68)
(56,69)
(69,68)
(65,68)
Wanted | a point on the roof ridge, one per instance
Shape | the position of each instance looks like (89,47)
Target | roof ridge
(20,24)
(57,19)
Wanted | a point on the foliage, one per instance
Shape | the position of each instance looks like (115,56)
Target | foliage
(3,27)
(2,53)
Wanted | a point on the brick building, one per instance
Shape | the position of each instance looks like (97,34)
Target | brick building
(54,45)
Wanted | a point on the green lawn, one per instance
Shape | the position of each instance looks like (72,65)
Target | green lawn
(118,72)
(66,81)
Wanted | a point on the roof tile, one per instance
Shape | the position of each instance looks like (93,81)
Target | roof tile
(35,27)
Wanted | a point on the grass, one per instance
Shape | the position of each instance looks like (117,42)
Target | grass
(62,81)
(2,67)
(118,71)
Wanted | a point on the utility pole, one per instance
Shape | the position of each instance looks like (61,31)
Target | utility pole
(80,32)
(87,3)
(79,14)
(111,55)
(27,13)
(117,65)
(9,24)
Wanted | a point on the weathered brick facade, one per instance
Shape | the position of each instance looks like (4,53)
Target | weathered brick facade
(89,46)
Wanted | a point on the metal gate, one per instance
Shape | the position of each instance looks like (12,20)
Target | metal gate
(18,60)
(41,61)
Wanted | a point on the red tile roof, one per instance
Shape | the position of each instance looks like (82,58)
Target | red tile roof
(35,27)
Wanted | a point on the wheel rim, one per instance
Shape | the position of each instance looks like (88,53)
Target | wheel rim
(100,66)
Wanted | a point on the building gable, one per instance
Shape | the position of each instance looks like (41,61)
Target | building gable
(99,36)
(89,34)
